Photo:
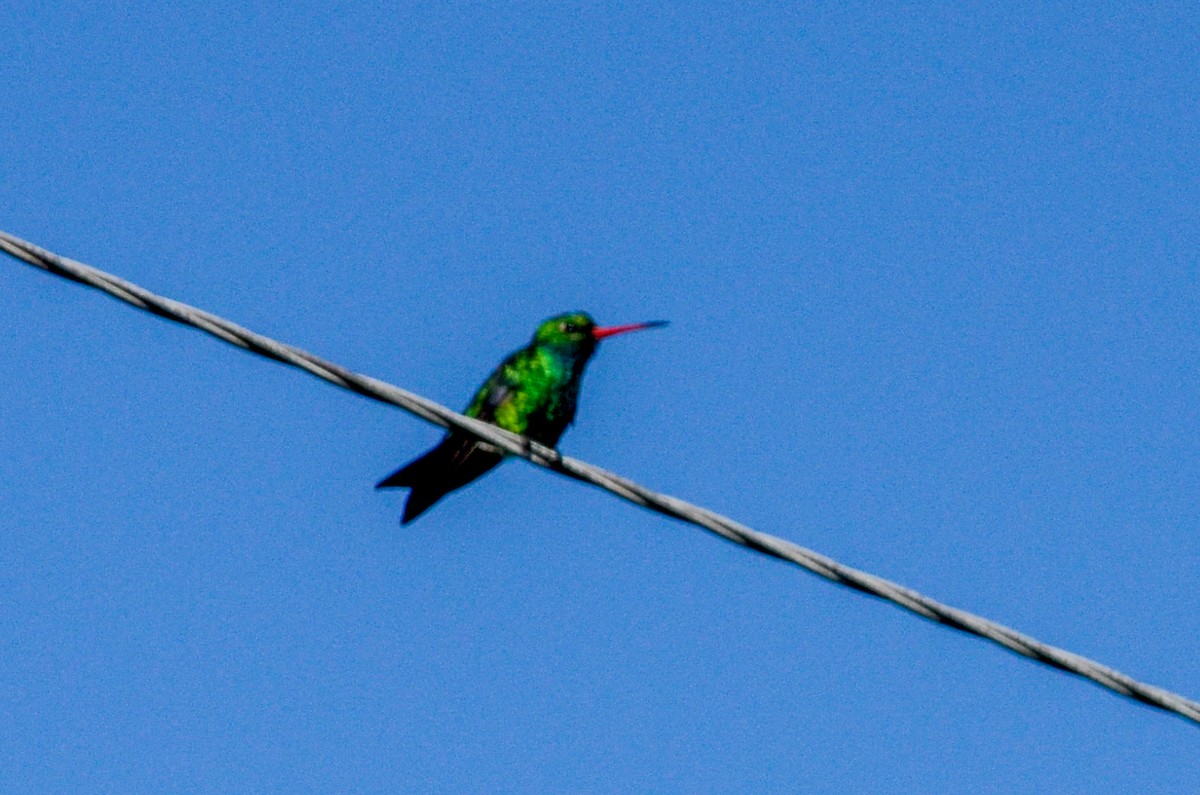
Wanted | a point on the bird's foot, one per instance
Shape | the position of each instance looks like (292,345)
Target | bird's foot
(553,459)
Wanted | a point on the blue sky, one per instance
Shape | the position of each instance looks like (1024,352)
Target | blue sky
(933,280)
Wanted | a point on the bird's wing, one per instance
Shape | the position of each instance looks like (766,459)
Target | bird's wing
(500,387)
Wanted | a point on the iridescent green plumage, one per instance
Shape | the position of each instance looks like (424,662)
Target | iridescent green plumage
(533,392)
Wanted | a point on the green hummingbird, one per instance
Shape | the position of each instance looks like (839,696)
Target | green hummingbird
(533,392)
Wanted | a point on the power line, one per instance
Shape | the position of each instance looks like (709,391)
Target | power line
(626,489)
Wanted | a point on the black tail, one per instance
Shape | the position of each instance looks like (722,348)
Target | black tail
(451,465)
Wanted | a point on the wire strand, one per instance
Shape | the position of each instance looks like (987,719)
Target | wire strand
(549,458)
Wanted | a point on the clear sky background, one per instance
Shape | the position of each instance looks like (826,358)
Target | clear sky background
(932,272)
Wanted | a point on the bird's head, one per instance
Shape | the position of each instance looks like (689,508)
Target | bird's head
(578,331)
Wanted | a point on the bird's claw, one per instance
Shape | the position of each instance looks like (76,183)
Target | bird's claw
(553,458)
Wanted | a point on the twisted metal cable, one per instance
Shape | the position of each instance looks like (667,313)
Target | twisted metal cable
(626,489)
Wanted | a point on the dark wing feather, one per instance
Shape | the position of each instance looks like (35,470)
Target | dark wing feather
(457,459)
(454,463)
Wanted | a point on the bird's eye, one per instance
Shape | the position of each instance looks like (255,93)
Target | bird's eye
(569,328)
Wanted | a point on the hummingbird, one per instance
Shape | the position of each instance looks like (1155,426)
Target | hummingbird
(533,393)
